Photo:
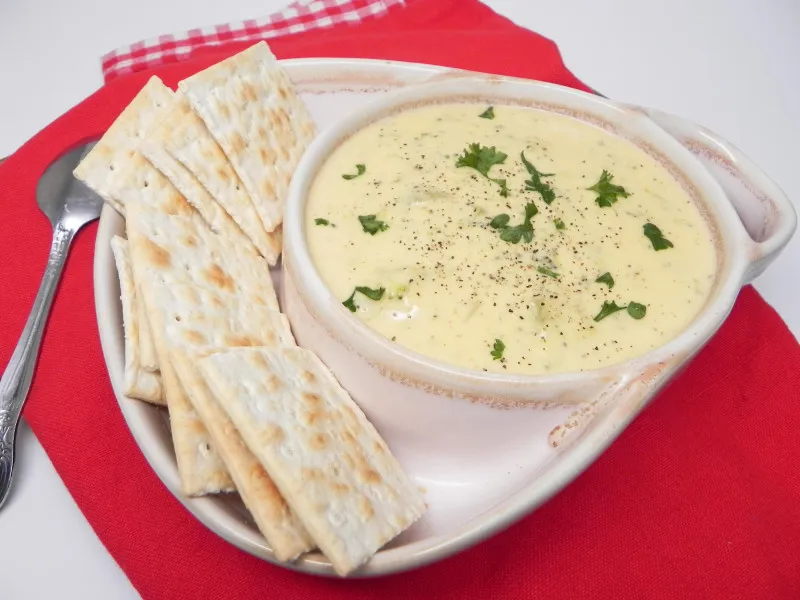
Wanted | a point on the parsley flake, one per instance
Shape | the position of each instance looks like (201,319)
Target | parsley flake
(483,158)
(361,169)
(367,291)
(523,231)
(488,113)
(498,349)
(548,272)
(609,308)
(370,293)
(636,310)
(324,222)
(371,224)
(349,304)
(659,242)
(500,221)
(607,279)
(559,224)
(535,183)
(607,192)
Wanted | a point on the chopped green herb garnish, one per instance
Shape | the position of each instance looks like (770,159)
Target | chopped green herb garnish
(607,192)
(513,235)
(498,349)
(548,272)
(488,113)
(349,304)
(636,310)
(559,224)
(530,211)
(361,169)
(370,293)
(654,234)
(607,279)
(483,158)
(367,291)
(325,222)
(500,221)
(371,224)
(609,308)
(535,183)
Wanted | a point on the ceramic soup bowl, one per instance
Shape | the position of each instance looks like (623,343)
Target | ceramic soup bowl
(457,415)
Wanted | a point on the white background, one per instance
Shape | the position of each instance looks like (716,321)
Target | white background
(732,65)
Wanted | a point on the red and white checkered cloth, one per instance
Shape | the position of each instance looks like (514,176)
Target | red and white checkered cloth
(303,15)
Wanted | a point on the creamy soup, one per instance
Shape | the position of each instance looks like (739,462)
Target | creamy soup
(508,239)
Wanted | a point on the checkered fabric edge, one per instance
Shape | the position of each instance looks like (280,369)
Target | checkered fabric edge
(297,17)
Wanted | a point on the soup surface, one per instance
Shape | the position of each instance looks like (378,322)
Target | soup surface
(508,239)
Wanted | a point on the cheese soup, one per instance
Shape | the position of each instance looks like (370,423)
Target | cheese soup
(508,239)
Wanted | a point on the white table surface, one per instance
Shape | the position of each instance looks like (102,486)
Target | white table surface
(731,65)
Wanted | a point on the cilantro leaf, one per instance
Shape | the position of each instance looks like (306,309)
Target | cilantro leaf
(371,224)
(523,231)
(607,279)
(535,183)
(500,221)
(488,113)
(360,170)
(498,349)
(533,170)
(654,235)
(325,222)
(559,224)
(530,211)
(349,304)
(609,308)
(607,192)
(483,158)
(636,310)
(370,293)
(548,272)
(503,186)
(513,235)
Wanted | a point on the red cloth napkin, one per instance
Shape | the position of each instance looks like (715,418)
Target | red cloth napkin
(698,498)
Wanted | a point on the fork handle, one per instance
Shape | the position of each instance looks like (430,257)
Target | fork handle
(16,380)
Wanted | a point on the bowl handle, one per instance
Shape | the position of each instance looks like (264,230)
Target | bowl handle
(765,211)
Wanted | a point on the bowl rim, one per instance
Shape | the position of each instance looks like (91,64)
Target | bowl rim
(408,366)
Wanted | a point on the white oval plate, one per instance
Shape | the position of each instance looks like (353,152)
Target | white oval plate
(467,501)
